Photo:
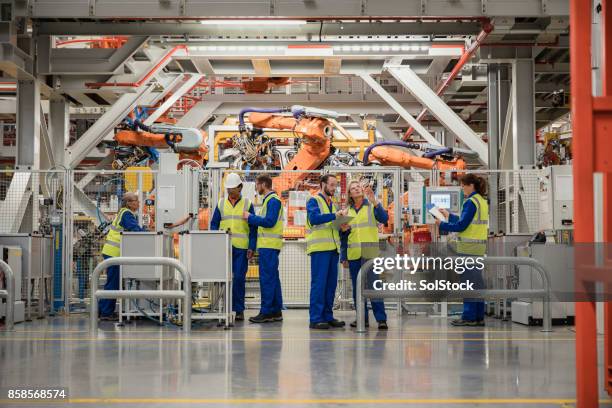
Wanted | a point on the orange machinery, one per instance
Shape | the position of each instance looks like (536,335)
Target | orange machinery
(311,124)
(190,143)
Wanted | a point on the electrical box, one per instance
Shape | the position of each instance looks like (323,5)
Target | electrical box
(176,191)
(144,244)
(557,198)
(449,198)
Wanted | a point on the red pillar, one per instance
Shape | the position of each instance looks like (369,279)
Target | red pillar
(583,167)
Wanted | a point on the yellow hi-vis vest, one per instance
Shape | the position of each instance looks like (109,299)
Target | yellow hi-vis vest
(473,240)
(231,220)
(322,237)
(363,238)
(112,246)
(270,237)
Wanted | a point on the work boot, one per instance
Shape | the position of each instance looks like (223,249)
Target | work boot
(109,318)
(354,324)
(382,325)
(239,316)
(319,326)
(460,322)
(278,317)
(261,318)
(335,323)
(476,323)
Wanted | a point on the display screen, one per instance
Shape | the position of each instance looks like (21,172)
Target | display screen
(441,200)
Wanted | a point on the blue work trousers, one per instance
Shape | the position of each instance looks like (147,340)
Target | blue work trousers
(269,281)
(378,305)
(107,306)
(323,283)
(473,309)
(240,265)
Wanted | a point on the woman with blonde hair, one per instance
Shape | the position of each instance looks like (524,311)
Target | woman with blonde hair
(359,240)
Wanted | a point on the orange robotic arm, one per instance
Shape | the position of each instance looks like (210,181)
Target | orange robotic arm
(391,156)
(148,139)
(317,134)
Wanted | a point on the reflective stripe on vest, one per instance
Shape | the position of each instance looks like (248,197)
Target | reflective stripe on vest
(473,240)
(231,220)
(112,246)
(270,237)
(322,237)
(363,238)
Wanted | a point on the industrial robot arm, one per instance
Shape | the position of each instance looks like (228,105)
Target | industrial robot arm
(189,142)
(311,124)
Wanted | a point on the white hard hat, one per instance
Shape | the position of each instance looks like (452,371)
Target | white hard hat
(232,180)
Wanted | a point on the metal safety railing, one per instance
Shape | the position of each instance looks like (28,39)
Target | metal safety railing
(9,295)
(184,294)
(543,293)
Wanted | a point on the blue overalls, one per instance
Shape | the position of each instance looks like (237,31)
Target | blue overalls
(240,262)
(269,279)
(323,269)
(473,309)
(107,306)
(378,305)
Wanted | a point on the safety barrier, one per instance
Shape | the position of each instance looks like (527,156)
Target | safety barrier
(543,293)
(184,294)
(8,294)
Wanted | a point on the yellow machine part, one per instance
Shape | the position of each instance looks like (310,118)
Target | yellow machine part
(131,178)
(223,135)
(253,272)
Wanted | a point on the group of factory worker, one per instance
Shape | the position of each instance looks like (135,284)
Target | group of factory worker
(326,243)
(352,243)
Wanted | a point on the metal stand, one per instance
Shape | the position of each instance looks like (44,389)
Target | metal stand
(8,294)
(184,295)
(543,293)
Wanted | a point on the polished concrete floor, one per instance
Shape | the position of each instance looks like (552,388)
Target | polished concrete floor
(422,363)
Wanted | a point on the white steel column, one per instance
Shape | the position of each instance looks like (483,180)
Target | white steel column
(28,124)
(199,114)
(523,114)
(104,125)
(376,87)
(437,107)
(59,128)
(176,95)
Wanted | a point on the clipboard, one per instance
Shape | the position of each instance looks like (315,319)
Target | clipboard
(435,212)
(343,219)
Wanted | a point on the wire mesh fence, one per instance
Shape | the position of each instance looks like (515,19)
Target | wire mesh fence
(31,217)
(72,209)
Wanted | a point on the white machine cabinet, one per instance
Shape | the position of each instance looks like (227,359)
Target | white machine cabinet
(144,244)
(208,256)
(12,256)
(36,270)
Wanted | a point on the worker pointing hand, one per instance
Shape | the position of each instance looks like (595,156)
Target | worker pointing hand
(341,213)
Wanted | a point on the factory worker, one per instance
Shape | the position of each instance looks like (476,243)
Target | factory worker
(228,217)
(360,242)
(269,223)
(323,244)
(473,229)
(125,220)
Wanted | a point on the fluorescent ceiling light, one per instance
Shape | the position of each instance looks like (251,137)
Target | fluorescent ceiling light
(253,22)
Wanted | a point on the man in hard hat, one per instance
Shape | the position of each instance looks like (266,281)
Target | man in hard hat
(269,223)
(125,220)
(228,217)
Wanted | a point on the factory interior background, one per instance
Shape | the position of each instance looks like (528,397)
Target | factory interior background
(195,197)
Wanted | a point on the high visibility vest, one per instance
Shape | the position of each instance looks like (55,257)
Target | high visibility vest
(363,238)
(112,246)
(322,237)
(473,240)
(270,237)
(231,220)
